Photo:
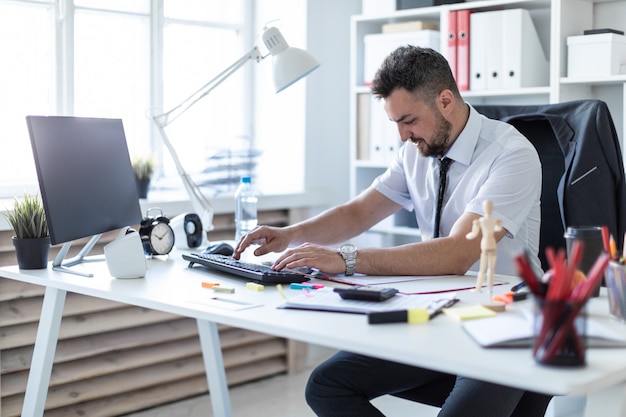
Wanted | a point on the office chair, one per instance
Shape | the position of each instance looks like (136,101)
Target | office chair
(583,171)
(582,176)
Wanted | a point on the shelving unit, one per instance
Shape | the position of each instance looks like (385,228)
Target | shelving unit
(554,21)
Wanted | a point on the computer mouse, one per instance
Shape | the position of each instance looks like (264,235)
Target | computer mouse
(220,249)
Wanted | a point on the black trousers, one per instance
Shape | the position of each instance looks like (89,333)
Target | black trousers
(345,384)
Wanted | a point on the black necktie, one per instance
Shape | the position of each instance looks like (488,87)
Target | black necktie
(443,178)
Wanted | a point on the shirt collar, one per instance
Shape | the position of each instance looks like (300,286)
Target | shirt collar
(464,145)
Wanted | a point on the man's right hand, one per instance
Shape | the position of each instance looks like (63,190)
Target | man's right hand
(269,239)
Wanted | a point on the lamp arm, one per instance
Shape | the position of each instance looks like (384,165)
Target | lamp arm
(163,120)
(199,202)
(276,44)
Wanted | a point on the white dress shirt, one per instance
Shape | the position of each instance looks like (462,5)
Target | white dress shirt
(492,160)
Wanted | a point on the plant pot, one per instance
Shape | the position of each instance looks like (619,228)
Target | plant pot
(32,253)
(142,187)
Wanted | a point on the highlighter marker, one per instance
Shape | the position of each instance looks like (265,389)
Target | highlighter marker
(416,315)
(296,286)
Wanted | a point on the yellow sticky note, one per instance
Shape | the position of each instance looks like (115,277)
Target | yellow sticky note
(470,312)
(254,286)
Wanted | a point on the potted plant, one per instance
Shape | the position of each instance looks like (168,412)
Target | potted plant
(143,168)
(31,239)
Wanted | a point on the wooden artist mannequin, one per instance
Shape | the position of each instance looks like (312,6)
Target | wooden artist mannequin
(487,225)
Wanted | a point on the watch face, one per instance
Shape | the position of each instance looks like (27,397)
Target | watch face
(348,249)
(162,238)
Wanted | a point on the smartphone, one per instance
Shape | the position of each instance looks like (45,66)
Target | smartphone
(366,293)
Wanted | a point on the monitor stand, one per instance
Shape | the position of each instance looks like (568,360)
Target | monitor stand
(59,265)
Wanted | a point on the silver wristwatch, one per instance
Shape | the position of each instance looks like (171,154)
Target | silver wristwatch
(348,253)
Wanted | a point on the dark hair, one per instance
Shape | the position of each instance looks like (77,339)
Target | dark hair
(422,71)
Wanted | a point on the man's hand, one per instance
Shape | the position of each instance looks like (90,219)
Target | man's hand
(314,256)
(270,239)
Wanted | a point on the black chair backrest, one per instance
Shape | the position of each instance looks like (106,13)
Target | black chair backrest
(540,134)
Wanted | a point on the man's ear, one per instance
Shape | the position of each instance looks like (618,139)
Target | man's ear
(445,101)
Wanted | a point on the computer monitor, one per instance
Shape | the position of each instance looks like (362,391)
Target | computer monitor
(85,180)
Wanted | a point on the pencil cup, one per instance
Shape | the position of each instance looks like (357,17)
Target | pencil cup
(615,276)
(560,329)
(591,238)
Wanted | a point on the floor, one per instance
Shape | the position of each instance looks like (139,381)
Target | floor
(279,396)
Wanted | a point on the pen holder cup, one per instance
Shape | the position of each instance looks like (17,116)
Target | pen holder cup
(560,330)
(615,276)
(591,238)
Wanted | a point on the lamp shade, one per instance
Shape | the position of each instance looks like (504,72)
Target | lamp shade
(290,64)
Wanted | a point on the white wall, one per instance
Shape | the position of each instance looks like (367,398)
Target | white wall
(328,98)
(324,31)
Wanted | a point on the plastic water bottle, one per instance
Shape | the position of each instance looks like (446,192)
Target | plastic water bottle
(245,208)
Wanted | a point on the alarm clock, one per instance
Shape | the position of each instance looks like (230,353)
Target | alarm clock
(156,234)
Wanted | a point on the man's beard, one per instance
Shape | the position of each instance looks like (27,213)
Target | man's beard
(439,141)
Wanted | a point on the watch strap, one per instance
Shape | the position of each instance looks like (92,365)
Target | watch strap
(350,265)
(350,260)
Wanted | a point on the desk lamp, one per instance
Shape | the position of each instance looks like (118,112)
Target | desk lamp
(290,64)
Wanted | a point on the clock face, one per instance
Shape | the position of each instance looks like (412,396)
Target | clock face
(162,238)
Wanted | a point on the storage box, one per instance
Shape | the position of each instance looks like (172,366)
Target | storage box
(379,45)
(377,7)
(592,55)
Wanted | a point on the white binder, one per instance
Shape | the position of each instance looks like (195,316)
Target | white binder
(384,136)
(478,51)
(495,48)
(505,47)
(524,62)
(377,131)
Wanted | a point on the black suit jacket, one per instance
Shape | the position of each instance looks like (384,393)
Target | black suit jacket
(582,163)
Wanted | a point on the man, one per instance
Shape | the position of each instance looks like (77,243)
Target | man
(489,160)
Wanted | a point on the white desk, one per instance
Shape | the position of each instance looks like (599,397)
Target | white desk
(441,344)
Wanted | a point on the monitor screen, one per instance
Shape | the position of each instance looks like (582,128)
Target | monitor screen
(85,175)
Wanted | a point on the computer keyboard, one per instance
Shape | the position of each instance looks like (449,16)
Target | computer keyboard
(255,272)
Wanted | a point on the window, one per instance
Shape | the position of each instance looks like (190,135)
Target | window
(133,59)
(111,67)
(195,52)
(27,86)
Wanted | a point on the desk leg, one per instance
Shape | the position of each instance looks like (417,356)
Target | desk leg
(609,402)
(43,353)
(214,368)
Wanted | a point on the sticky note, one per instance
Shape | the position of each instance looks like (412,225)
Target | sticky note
(223,289)
(210,284)
(254,286)
(470,312)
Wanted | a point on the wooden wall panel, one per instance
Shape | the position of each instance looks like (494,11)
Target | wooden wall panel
(113,358)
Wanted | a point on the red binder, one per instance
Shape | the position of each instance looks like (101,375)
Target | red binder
(463,50)
(452,43)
